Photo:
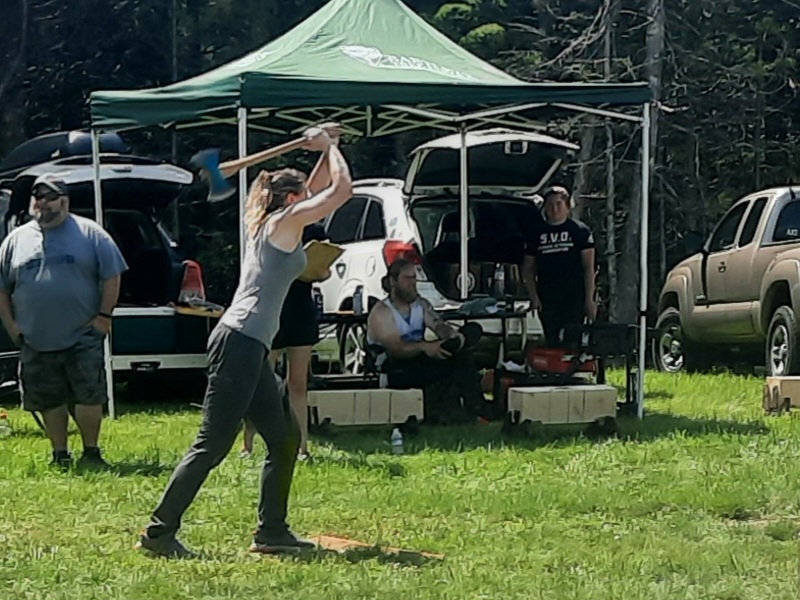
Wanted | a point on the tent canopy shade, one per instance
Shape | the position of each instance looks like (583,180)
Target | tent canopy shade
(385,70)
(373,52)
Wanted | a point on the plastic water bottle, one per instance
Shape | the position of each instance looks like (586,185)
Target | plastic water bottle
(358,301)
(499,281)
(5,425)
(397,441)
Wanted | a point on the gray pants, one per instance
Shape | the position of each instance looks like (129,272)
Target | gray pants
(241,384)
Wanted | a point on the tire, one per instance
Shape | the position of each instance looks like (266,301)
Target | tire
(782,350)
(352,351)
(671,352)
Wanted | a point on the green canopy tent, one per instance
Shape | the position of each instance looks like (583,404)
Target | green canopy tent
(378,68)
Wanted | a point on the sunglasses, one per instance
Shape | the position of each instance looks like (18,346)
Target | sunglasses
(49,196)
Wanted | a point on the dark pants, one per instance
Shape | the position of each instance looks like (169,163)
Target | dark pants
(241,384)
(444,384)
(565,315)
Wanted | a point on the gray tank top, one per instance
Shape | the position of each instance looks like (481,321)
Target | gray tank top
(267,273)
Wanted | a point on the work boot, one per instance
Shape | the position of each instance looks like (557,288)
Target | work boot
(166,546)
(93,459)
(61,459)
(285,541)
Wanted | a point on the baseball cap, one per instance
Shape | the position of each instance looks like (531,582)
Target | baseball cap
(52,182)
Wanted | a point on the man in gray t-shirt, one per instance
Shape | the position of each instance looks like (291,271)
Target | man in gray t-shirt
(59,282)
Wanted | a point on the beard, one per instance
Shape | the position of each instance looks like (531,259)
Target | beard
(407,296)
(46,217)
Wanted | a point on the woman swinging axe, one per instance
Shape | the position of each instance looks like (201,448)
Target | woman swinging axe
(241,382)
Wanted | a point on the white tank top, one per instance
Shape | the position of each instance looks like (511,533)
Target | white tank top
(411,329)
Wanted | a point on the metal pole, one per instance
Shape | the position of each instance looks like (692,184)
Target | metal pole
(98,215)
(643,245)
(464,212)
(241,118)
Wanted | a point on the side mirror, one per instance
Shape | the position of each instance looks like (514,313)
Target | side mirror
(693,243)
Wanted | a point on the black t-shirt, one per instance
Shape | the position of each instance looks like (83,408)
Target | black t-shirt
(557,249)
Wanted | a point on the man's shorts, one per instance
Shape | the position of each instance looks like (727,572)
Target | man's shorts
(76,375)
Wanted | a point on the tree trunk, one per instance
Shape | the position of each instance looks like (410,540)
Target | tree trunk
(629,264)
(611,192)
(580,183)
(13,110)
(654,69)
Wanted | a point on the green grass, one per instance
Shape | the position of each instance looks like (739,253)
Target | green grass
(700,500)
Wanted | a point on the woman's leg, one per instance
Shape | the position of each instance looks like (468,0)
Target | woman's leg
(235,370)
(297,384)
(249,433)
(275,421)
(247,438)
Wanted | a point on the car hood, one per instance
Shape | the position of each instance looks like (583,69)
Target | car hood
(502,160)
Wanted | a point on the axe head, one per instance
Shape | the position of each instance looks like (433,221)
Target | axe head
(208,163)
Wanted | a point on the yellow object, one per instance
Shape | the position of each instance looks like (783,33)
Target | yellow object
(320,257)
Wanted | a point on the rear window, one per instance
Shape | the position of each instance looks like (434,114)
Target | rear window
(489,166)
(439,222)
(788,226)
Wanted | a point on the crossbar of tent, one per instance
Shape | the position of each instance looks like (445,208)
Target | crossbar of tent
(398,120)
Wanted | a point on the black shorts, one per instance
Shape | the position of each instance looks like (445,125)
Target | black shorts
(76,375)
(299,324)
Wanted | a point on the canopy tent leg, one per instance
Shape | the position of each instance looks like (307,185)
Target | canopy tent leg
(98,215)
(241,119)
(643,245)
(464,211)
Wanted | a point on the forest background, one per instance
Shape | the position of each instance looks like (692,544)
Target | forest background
(724,73)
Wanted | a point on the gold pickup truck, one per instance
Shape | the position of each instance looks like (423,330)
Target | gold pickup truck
(739,293)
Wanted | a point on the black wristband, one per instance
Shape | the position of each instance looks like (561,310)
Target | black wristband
(102,314)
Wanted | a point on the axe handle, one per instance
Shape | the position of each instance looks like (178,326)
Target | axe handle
(232,167)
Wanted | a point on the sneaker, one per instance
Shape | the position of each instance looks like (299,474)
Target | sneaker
(92,459)
(245,454)
(284,542)
(167,546)
(61,459)
(304,456)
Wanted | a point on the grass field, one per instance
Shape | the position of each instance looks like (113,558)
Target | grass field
(700,500)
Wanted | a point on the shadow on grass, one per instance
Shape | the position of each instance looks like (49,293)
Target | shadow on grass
(359,446)
(357,460)
(125,468)
(370,440)
(650,395)
(408,558)
(658,425)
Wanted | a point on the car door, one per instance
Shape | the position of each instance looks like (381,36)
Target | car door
(744,270)
(343,227)
(721,248)
(371,245)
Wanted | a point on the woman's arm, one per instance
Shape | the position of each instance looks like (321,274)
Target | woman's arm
(320,177)
(325,202)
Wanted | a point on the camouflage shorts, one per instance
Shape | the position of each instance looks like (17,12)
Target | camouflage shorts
(73,376)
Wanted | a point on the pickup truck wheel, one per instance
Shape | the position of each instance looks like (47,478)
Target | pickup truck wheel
(669,347)
(783,343)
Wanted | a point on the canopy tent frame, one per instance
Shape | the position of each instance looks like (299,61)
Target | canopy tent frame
(405,74)
(438,119)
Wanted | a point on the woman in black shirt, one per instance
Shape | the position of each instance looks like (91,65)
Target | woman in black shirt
(559,271)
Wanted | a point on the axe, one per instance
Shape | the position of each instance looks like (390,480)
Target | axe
(216,173)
